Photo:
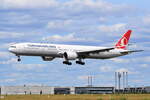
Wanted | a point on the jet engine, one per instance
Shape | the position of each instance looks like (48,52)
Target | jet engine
(70,55)
(47,58)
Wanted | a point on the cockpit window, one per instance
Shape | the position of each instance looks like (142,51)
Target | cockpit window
(13,46)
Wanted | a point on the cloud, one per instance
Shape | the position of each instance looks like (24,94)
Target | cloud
(64,16)
(71,6)
(122,70)
(143,59)
(68,38)
(15,18)
(26,4)
(120,60)
(105,69)
(4,35)
(7,80)
(85,77)
(5,46)
(94,6)
(5,55)
(137,81)
(144,65)
(103,19)
(127,70)
(146,20)
(75,20)
(14,37)
(112,28)
(133,60)
(59,24)
(24,67)
(9,61)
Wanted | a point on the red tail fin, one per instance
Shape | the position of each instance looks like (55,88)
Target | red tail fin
(123,42)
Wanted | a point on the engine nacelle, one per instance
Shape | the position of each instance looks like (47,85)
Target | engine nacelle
(47,58)
(70,55)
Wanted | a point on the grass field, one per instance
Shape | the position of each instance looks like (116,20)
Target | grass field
(77,97)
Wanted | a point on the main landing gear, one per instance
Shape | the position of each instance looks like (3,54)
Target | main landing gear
(19,59)
(80,62)
(67,63)
(77,62)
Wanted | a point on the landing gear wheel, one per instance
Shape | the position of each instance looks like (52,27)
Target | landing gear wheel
(67,63)
(18,59)
(80,62)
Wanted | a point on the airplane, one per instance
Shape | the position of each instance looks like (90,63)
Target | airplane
(48,52)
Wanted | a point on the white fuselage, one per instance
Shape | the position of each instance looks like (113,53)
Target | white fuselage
(56,50)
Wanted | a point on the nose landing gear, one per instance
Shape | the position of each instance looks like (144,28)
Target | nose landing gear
(19,59)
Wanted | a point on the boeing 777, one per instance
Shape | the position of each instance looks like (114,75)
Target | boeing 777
(48,52)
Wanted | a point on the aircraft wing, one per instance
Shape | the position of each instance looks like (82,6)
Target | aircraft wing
(94,51)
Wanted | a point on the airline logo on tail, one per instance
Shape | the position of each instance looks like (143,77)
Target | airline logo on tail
(123,42)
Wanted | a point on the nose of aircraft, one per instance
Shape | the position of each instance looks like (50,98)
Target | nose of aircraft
(12,48)
(9,49)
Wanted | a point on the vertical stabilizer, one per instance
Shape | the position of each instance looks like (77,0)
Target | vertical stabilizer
(123,42)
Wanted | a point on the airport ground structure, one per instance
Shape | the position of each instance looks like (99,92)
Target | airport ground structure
(25,90)
(13,90)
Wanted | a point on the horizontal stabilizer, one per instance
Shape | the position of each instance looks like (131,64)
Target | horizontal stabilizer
(131,51)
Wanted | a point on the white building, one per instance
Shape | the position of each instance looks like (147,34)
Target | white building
(54,90)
